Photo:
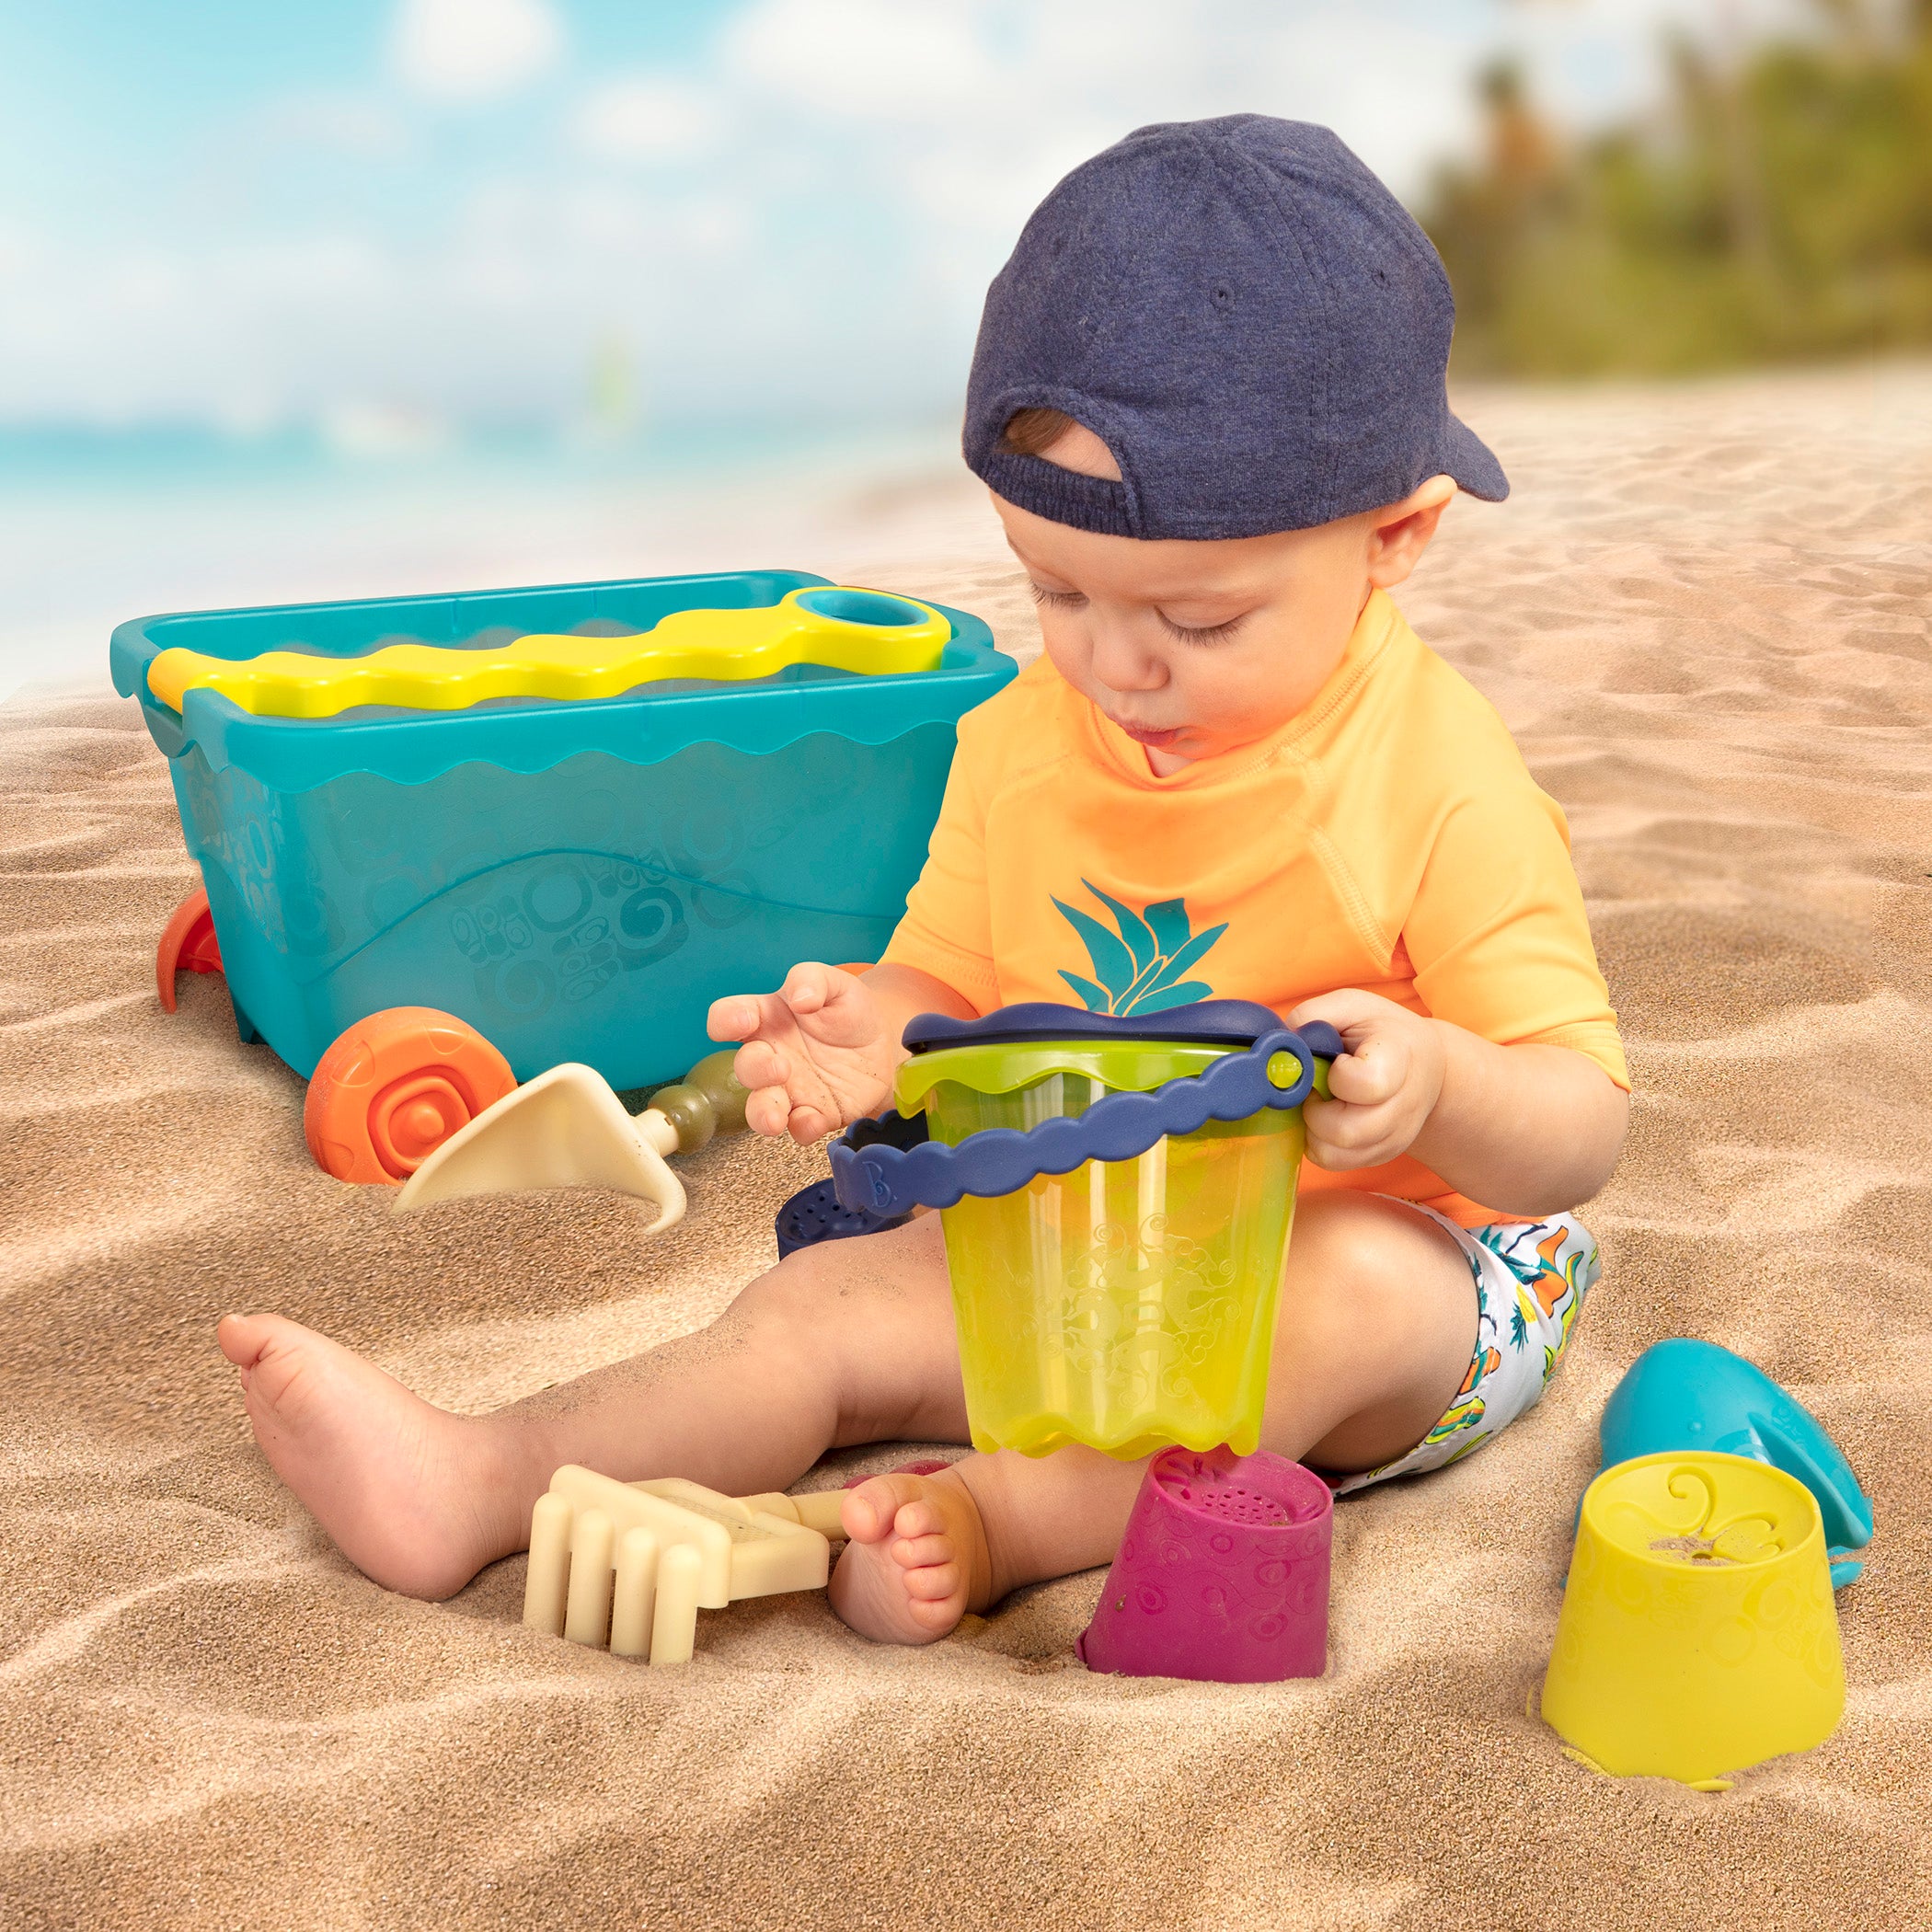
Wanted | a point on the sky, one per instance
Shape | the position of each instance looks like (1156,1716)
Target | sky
(413,219)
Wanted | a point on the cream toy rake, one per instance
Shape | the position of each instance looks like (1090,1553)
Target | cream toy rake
(629,1565)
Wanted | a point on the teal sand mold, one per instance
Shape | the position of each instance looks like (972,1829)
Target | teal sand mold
(1684,1394)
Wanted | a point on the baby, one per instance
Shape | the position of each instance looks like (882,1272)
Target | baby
(1208,398)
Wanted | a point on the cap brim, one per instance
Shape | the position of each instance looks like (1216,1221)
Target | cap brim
(1467,459)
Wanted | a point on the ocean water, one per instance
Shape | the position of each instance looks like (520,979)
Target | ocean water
(99,526)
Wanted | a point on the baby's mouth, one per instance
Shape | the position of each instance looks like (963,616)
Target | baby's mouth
(1145,734)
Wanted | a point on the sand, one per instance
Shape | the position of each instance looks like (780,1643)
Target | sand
(1704,615)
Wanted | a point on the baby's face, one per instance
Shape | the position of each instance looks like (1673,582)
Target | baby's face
(1199,648)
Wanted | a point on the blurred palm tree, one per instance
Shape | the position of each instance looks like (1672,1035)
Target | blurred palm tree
(1778,204)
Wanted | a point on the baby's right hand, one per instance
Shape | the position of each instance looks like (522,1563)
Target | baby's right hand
(818,1053)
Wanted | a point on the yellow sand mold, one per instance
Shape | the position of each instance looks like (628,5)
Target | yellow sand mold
(1699,1635)
(867,632)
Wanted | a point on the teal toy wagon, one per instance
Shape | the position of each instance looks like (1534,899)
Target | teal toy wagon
(569,880)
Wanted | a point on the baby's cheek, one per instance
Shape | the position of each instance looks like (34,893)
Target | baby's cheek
(1065,647)
(1238,708)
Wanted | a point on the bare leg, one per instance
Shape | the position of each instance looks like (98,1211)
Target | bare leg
(1376,1328)
(848,1342)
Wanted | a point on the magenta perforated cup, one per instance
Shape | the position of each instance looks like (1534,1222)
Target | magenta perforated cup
(1223,1574)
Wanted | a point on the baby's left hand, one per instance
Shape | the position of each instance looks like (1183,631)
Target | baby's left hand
(1384,1089)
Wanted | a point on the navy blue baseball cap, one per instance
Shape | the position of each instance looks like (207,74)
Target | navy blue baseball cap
(1250,321)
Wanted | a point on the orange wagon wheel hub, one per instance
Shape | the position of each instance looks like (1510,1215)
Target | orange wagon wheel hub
(393,1088)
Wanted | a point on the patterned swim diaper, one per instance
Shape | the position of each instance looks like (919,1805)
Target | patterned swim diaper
(1531,1278)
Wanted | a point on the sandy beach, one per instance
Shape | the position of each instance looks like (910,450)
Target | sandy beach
(1704,613)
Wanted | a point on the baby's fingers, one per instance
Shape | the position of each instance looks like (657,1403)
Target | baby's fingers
(740,1016)
(767,1110)
(832,1007)
(1370,1073)
(732,1018)
(760,1063)
(1343,1137)
(807,986)
(808,1123)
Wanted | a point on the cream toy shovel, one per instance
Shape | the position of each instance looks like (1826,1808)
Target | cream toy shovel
(566,1128)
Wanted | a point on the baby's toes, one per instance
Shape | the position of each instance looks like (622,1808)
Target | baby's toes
(877,1508)
(935,1584)
(921,1552)
(927,1529)
(918,1518)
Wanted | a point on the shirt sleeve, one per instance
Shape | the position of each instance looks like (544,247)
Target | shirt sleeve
(1497,935)
(947,928)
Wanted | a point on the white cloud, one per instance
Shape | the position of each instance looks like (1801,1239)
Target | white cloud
(967,111)
(473,49)
(861,60)
(641,118)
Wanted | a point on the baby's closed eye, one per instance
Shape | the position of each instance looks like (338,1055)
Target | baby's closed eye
(1201,633)
(1055,600)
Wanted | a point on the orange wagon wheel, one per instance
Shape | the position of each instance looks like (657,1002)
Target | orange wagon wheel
(187,945)
(393,1088)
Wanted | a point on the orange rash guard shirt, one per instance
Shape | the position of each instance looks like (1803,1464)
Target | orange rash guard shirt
(1388,837)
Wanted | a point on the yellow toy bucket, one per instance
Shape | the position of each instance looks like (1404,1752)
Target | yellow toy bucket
(1117,1198)
(1697,1634)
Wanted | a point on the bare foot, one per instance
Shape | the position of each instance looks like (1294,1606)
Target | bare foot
(417,1499)
(918,1560)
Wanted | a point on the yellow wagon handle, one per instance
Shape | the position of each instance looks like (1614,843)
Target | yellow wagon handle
(869,632)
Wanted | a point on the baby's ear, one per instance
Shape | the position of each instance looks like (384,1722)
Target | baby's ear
(1400,533)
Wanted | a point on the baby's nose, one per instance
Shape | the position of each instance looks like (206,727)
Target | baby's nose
(1122,664)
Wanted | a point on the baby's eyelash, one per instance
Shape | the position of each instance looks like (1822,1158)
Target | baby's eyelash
(1207,634)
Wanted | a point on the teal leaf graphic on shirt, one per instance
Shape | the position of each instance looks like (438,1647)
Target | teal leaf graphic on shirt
(1168,923)
(1162,997)
(1094,996)
(1141,966)
(1135,933)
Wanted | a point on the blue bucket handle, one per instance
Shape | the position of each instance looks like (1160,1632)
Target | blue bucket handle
(872,1175)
